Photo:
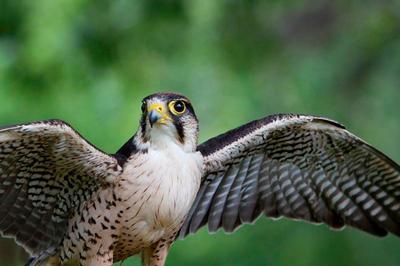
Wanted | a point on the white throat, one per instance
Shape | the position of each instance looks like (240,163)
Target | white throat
(163,137)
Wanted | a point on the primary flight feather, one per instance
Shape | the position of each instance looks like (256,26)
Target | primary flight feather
(66,202)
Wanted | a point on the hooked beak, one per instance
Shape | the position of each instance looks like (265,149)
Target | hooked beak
(154,117)
(157,114)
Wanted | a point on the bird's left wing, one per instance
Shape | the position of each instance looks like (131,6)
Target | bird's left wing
(300,167)
(46,171)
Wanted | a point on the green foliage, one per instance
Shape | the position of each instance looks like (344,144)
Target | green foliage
(91,62)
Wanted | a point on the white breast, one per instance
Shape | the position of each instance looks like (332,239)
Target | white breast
(159,188)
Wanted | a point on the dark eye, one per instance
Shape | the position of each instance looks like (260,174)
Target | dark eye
(178,107)
(143,107)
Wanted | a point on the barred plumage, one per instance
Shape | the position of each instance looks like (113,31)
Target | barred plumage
(46,170)
(299,167)
(65,201)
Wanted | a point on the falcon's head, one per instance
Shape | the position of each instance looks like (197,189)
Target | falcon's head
(168,118)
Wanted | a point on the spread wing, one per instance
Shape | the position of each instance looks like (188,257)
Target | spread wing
(46,170)
(299,167)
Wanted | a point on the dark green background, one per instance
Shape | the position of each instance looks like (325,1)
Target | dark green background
(90,63)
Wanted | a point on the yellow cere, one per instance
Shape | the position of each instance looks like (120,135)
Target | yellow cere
(159,107)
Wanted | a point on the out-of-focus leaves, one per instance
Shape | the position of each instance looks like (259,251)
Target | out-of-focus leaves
(90,63)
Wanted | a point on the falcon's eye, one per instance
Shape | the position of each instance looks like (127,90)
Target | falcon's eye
(177,107)
(143,106)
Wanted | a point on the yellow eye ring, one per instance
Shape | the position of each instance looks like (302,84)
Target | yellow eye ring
(177,107)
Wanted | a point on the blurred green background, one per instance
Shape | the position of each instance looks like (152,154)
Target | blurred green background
(90,63)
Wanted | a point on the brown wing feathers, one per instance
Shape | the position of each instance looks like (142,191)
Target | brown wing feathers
(46,170)
(298,167)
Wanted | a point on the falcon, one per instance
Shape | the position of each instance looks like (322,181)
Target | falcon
(68,203)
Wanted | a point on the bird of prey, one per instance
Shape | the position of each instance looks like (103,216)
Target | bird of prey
(68,203)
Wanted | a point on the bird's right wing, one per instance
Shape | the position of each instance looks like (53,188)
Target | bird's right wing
(46,171)
(300,167)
